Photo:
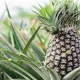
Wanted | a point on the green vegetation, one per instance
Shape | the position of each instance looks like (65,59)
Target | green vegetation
(22,52)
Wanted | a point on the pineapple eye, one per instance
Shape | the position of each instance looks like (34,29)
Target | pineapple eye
(62,43)
(62,37)
(63,49)
(67,36)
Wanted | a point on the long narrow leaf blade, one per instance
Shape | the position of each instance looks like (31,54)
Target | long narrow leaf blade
(37,50)
(72,74)
(53,74)
(17,35)
(26,47)
(9,15)
(8,44)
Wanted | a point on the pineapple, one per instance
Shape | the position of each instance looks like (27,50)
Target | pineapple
(61,19)
(63,53)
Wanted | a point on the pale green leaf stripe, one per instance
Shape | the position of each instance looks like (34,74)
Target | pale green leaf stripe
(18,67)
(16,71)
(21,42)
(53,74)
(46,73)
(8,44)
(72,74)
(25,60)
(27,45)
(17,79)
(12,39)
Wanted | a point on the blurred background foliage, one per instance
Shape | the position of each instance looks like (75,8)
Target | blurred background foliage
(23,44)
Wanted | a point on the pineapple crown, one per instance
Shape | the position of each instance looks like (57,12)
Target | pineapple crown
(59,14)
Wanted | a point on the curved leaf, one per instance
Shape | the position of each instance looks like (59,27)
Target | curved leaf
(72,74)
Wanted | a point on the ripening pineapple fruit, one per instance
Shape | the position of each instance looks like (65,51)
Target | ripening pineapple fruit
(63,52)
(61,18)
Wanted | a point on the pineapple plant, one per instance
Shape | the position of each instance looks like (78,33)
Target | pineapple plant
(61,19)
(21,57)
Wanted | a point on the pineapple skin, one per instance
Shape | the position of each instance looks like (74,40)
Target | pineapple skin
(63,53)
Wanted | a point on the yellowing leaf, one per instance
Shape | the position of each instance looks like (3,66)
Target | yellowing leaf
(41,45)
